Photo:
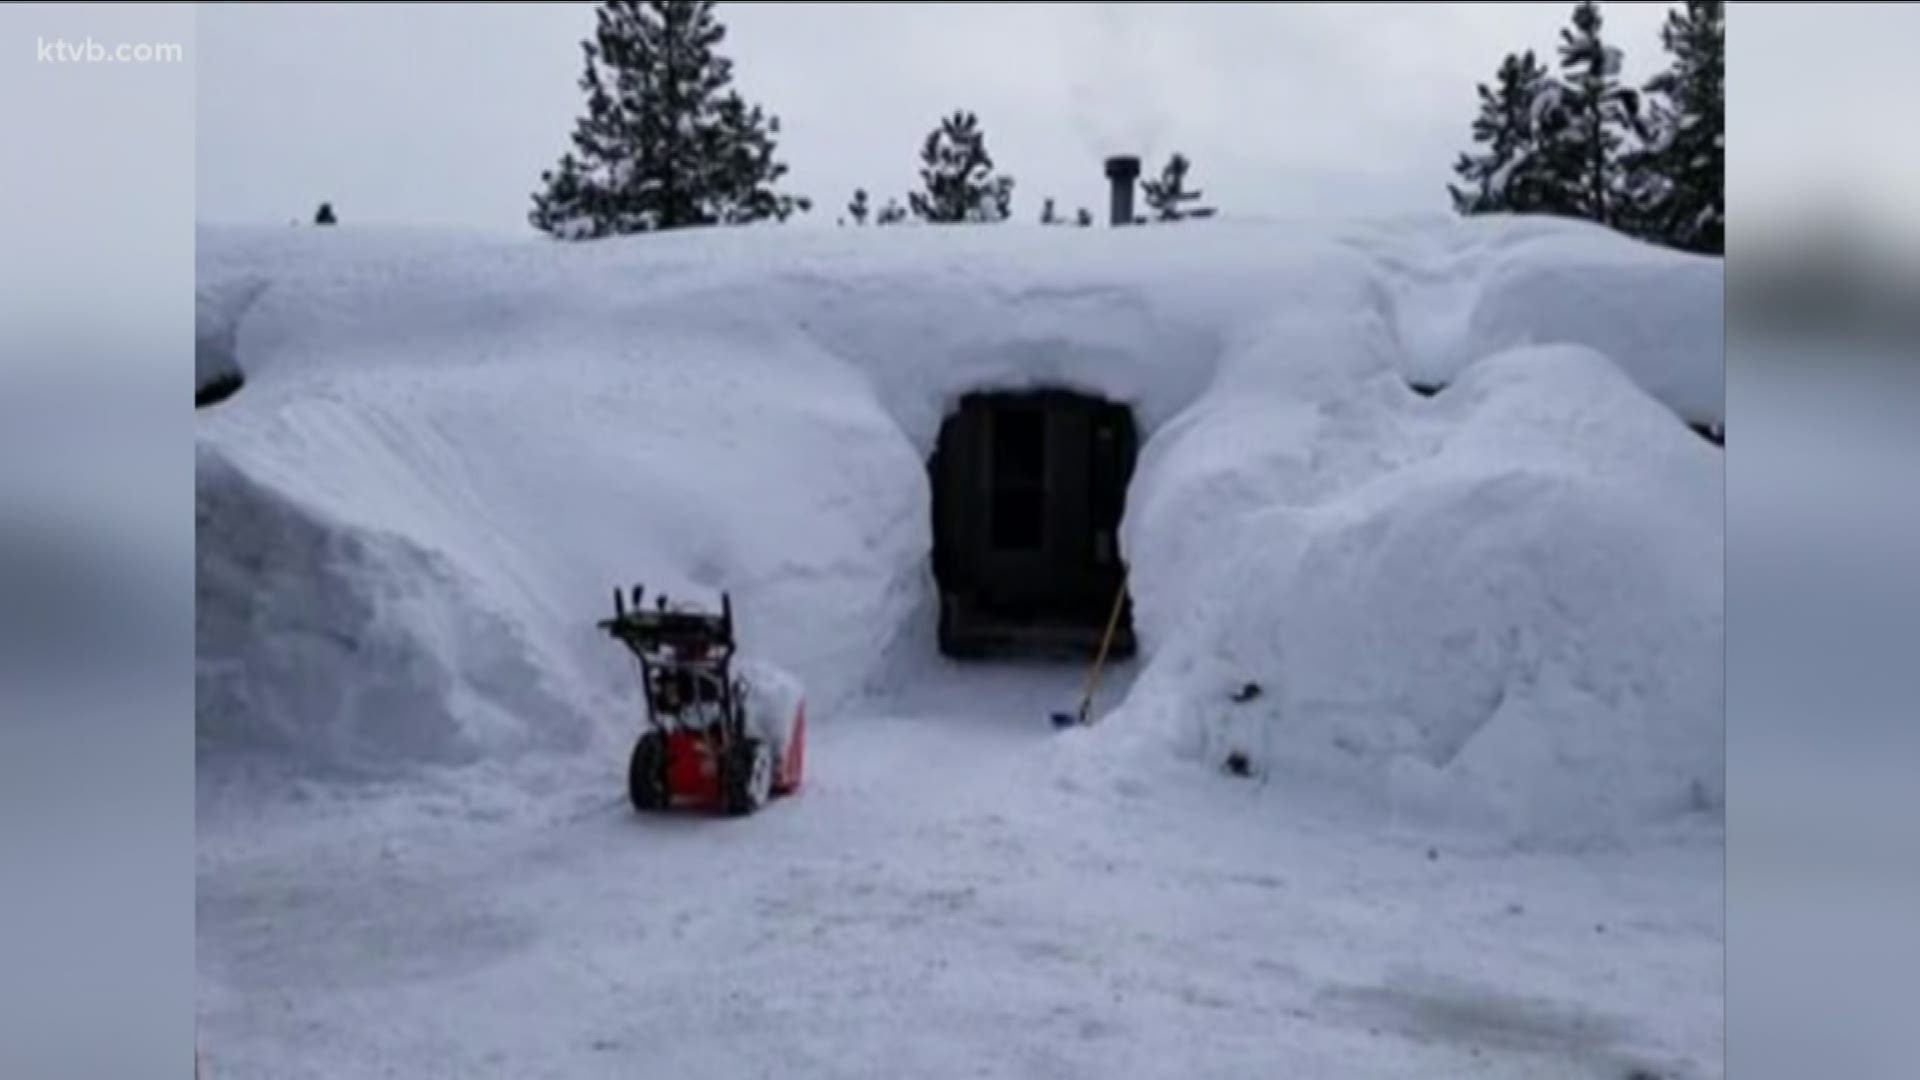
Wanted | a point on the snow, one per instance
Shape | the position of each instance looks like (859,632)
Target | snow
(1645,315)
(1486,623)
(1547,102)
(217,310)
(942,901)
(1515,602)
(775,701)
(1501,179)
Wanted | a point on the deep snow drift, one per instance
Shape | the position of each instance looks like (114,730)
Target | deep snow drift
(1499,606)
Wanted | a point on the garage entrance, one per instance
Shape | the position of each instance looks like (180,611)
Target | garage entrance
(1028,492)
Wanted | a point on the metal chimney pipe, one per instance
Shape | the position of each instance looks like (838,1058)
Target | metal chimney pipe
(1122,172)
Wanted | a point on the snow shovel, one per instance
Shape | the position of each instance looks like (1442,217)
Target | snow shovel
(1064,720)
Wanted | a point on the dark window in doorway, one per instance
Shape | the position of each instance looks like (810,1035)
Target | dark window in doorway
(1019,479)
(1110,466)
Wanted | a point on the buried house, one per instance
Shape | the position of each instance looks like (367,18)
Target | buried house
(449,447)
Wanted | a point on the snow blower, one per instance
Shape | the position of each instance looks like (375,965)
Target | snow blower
(712,739)
(1083,717)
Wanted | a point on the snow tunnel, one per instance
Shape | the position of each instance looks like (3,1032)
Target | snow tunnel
(1029,488)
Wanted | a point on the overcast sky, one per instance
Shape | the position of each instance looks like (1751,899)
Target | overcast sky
(446,113)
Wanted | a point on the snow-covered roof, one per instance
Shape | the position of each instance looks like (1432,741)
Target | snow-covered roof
(1159,302)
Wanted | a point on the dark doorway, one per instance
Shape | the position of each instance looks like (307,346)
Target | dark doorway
(1028,493)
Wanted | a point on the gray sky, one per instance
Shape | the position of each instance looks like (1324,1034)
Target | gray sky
(446,113)
(1818,97)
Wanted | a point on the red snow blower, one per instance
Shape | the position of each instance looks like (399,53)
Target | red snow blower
(713,739)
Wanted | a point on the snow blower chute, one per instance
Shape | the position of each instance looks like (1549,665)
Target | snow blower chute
(714,738)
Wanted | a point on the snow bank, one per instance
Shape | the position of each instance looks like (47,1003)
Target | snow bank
(453,448)
(351,650)
(312,580)
(1508,612)
(1462,293)
(218,306)
(1649,316)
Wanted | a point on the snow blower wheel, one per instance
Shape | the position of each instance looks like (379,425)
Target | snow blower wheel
(748,779)
(647,773)
(711,740)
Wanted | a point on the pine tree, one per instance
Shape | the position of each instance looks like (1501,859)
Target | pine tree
(324,215)
(957,174)
(1166,195)
(1678,181)
(746,168)
(666,143)
(857,209)
(891,214)
(1047,216)
(1587,119)
(1511,174)
(1083,218)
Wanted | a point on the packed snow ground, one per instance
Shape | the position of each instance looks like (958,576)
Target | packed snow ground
(1488,626)
(957,892)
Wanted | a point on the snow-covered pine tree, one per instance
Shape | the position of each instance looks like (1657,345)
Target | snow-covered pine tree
(1588,118)
(666,143)
(570,208)
(1167,195)
(858,208)
(746,166)
(1678,181)
(891,214)
(958,177)
(1510,174)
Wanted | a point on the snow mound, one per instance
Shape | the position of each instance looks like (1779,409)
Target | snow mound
(217,310)
(1647,316)
(351,651)
(451,449)
(1509,615)
(521,473)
